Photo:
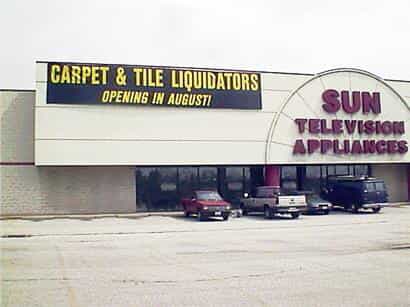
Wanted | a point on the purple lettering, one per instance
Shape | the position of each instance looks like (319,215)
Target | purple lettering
(392,146)
(332,104)
(369,127)
(387,127)
(336,148)
(350,126)
(313,145)
(337,126)
(301,122)
(398,127)
(325,145)
(346,146)
(402,147)
(360,126)
(356,147)
(314,125)
(299,147)
(324,128)
(369,146)
(371,103)
(354,106)
(381,147)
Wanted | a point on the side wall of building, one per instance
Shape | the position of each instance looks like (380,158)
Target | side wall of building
(27,189)
(395,176)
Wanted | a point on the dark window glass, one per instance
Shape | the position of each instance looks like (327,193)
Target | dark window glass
(157,188)
(361,170)
(288,173)
(234,179)
(188,180)
(331,170)
(312,180)
(142,176)
(288,176)
(324,171)
(208,177)
(342,170)
(247,180)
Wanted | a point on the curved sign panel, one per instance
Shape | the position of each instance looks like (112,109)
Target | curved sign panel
(342,116)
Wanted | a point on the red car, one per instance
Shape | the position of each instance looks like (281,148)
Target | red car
(206,203)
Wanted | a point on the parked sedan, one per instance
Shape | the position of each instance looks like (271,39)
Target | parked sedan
(206,203)
(315,204)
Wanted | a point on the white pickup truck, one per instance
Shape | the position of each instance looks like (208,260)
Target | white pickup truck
(271,202)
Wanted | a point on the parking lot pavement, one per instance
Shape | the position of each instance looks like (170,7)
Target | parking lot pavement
(342,259)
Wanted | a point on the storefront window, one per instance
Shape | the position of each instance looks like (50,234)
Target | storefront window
(234,180)
(142,192)
(342,170)
(157,189)
(188,180)
(331,170)
(315,176)
(361,170)
(312,180)
(208,178)
(288,177)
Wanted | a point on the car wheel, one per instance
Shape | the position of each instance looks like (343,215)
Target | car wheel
(295,215)
(244,211)
(200,216)
(186,213)
(355,208)
(326,212)
(225,217)
(268,213)
(376,210)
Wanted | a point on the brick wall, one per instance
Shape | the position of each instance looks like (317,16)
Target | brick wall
(56,190)
(27,189)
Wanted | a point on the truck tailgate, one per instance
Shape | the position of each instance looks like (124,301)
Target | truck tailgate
(292,201)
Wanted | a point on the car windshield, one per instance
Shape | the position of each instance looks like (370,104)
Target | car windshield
(208,195)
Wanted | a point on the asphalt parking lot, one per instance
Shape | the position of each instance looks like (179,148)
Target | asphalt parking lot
(342,259)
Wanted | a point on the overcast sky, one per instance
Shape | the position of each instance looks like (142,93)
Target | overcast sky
(287,36)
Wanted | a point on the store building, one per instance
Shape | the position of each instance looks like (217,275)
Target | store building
(97,138)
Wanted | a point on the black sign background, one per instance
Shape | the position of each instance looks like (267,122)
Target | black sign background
(84,94)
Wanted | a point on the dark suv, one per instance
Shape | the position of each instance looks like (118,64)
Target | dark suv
(354,192)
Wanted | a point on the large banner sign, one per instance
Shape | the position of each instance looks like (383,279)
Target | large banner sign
(71,83)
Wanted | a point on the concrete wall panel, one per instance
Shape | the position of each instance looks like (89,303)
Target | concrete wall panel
(395,177)
(16,126)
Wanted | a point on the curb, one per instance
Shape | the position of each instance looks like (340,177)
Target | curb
(87,217)
(139,215)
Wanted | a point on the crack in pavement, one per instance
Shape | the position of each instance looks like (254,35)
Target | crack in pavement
(140,282)
(35,279)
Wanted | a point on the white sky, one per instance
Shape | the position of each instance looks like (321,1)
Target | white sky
(288,36)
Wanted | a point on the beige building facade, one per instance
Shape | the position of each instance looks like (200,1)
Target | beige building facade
(61,157)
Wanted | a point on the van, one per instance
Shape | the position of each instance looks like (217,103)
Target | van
(356,192)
